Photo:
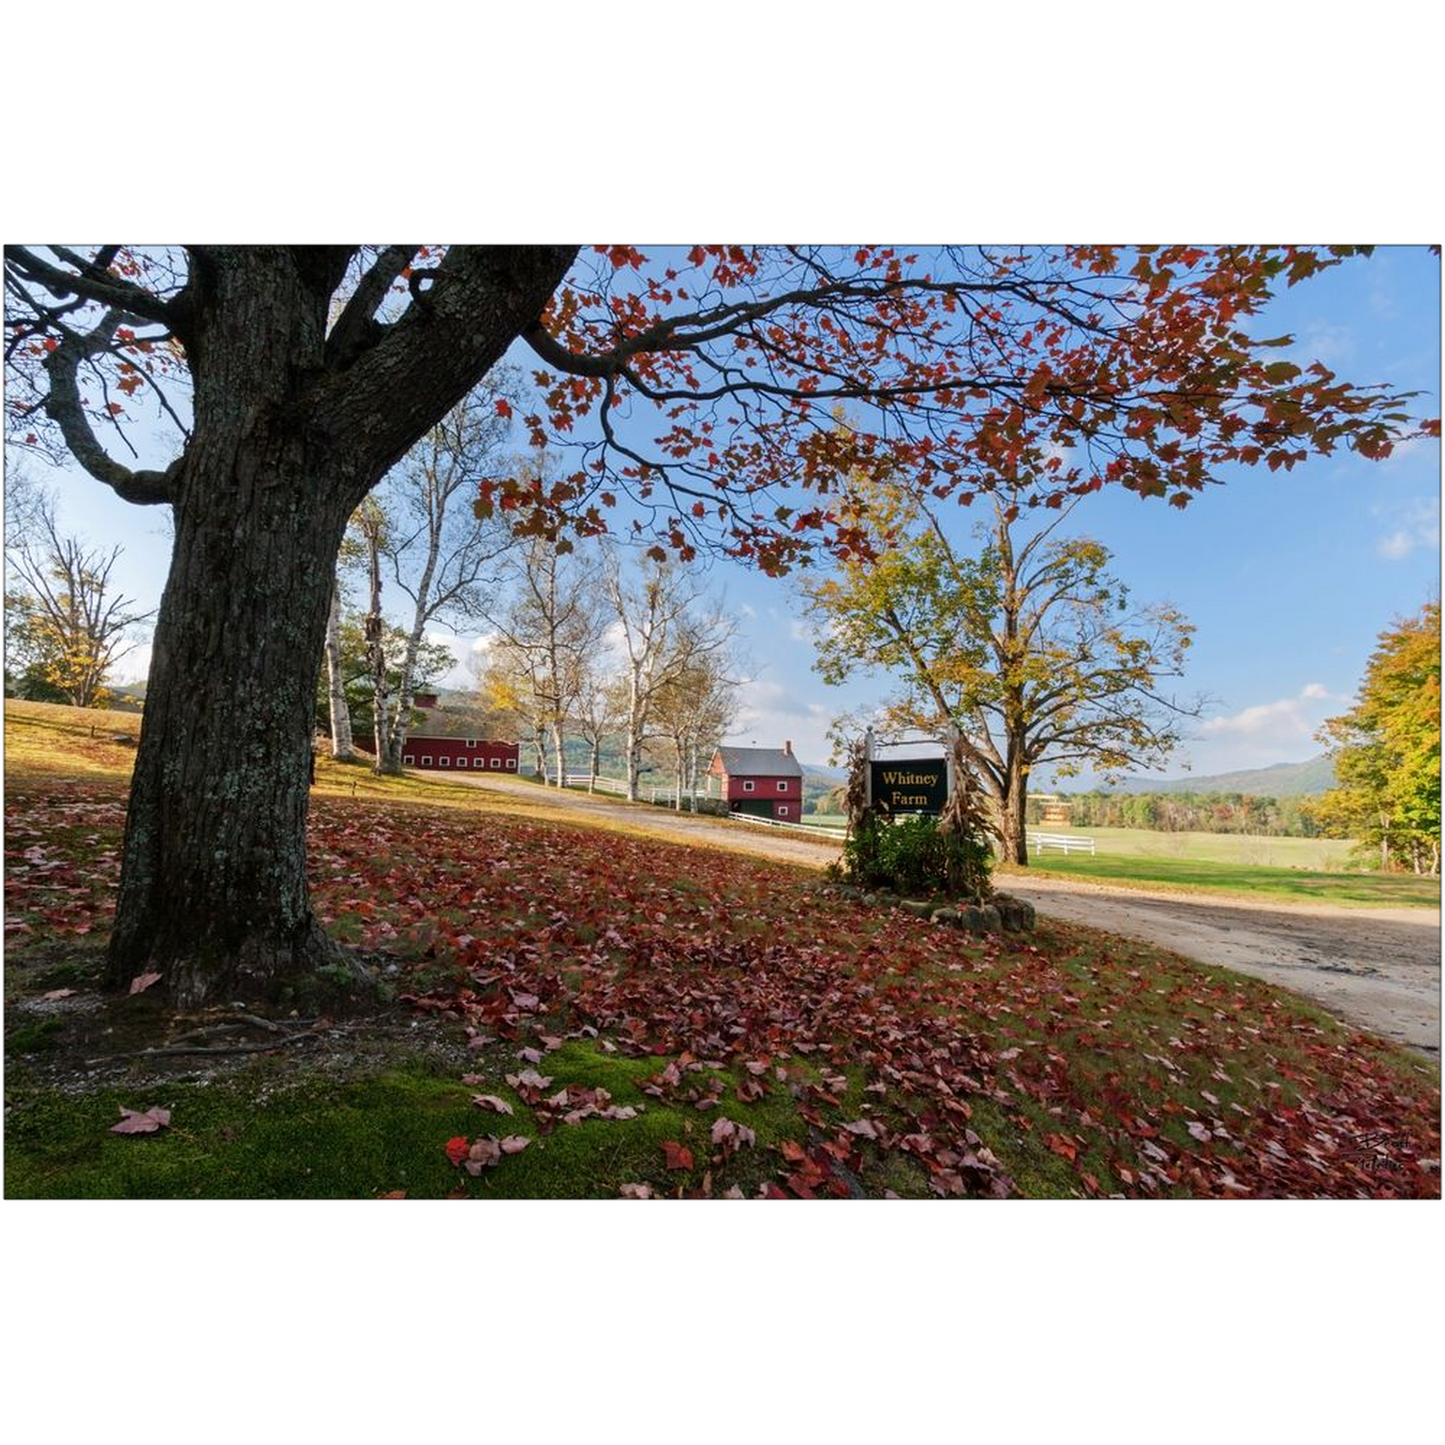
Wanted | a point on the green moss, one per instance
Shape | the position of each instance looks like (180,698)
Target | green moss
(32,1038)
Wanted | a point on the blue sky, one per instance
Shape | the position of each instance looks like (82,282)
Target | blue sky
(1287,577)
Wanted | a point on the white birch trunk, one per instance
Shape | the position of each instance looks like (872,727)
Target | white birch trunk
(342,746)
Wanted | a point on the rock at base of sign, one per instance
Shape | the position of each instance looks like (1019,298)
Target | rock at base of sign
(917,907)
(984,919)
(1015,914)
(949,917)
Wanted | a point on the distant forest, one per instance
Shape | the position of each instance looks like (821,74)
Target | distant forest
(1184,812)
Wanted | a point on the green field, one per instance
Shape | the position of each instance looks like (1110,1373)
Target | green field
(1330,855)
(1299,884)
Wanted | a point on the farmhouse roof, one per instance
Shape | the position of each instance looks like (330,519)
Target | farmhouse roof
(759,762)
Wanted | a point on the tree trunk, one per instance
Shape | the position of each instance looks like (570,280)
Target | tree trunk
(558,754)
(225,746)
(596,763)
(341,743)
(1013,840)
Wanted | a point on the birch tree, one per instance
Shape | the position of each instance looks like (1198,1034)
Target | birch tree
(549,634)
(441,555)
(696,702)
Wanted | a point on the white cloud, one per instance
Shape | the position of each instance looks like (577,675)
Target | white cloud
(135,666)
(1265,733)
(1416,524)
(771,713)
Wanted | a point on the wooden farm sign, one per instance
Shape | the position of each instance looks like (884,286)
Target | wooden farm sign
(909,785)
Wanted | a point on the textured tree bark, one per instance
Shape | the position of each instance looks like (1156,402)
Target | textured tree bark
(1012,807)
(213,891)
(213,884)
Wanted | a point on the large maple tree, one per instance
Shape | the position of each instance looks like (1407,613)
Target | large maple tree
(707,386)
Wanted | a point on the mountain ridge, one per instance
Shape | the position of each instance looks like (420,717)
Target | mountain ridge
(1278,780)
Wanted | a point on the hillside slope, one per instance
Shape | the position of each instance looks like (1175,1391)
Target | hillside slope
(1279,780)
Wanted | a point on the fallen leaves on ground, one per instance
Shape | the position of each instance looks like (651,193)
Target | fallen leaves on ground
(1093,1065)
(136,1121)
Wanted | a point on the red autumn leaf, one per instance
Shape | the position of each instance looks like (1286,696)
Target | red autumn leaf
(394,1194)
(677,1156)
(134,1121)
(635,1191)
(1061,1146)
(457,1149)
(793,1153)
(514,1143)
(58,993)
(504,408)
(143,981)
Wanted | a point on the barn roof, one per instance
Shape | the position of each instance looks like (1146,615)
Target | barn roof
(759,763)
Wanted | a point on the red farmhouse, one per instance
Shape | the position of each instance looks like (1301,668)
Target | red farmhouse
(765,782)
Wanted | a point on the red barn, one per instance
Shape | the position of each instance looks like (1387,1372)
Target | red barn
(423,751)
(765,782)
(439,741)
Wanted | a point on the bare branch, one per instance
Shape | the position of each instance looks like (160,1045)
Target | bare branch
(90,280)
(64,407)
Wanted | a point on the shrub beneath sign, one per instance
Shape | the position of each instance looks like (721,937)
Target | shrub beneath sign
(916,856)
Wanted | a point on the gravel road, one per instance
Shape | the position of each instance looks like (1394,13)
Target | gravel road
(1374,968)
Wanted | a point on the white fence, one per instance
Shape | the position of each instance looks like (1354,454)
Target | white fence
(600,784)
(824,835)
(1062,841)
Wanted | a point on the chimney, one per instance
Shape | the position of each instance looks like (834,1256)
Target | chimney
(788,747)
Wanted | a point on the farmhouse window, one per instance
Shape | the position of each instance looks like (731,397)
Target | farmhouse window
(783,810)
(471,742)
(747,785)
(409,760)
(426,761)
(444,762)
(782,787)
(496,762)
(511,762)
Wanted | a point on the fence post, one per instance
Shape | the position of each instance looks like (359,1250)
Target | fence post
(868,767)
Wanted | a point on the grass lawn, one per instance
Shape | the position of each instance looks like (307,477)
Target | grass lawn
(583,1012)
(1326,854)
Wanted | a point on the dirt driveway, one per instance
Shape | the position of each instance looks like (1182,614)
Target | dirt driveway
(1375,968)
